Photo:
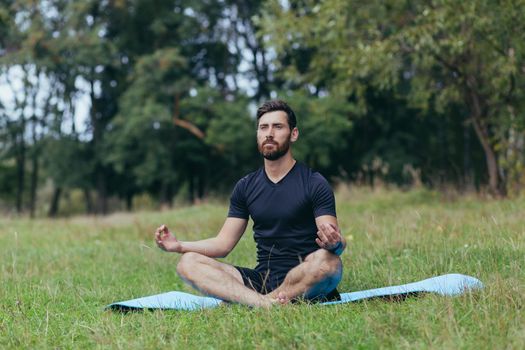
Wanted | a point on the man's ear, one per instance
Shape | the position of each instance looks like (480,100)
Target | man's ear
(295,135)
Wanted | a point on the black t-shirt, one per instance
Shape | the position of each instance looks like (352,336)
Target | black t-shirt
(283,214)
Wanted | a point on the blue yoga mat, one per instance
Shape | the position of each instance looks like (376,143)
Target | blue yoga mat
(451,284)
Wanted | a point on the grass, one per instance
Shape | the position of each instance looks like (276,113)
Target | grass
(57,275)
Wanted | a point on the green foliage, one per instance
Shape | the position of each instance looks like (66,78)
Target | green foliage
(137,61)
(438,55)
(379,87)
(7,182)
(229,133)
(140,134)
(323,123)
(68,162)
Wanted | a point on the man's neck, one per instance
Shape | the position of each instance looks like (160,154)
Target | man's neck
(277,169)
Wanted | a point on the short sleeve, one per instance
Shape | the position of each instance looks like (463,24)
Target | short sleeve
(238,207)
(323,200)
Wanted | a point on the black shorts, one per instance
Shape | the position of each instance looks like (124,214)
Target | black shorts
(262,281)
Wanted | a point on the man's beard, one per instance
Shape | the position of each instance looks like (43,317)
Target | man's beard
(277,152)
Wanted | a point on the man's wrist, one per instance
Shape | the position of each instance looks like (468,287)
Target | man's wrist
(337,249)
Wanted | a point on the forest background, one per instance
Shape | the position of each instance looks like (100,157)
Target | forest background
(115,104)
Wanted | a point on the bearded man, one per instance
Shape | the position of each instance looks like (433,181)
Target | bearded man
(294,223)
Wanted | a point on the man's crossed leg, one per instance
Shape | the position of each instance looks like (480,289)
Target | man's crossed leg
(317,275)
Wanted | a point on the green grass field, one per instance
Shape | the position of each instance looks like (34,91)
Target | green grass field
(57,275)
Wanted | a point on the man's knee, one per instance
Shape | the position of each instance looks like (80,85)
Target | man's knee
(324,264)
(187,262)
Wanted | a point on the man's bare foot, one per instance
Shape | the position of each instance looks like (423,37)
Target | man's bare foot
(268,302)
(279,297)
(282,298)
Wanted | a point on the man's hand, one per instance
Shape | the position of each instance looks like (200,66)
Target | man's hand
(166,240)
(329,238)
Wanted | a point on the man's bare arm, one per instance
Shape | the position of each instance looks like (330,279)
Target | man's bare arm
(216,247)
(330,236)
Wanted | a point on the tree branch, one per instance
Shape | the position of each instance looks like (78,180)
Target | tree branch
(192,128)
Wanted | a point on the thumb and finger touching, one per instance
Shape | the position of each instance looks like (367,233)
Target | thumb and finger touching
(328,236)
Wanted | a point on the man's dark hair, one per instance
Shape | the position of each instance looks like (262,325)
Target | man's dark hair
(277,105)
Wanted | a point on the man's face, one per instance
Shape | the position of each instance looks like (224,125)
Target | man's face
(274,135)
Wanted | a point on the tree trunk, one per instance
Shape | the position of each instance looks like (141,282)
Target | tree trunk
(34,164)
(102,197)
(191,187)
(201,186)
(468,178)
(17,132)
(101,205)
(490,155)
(20,170)
(34,183)
(55,203)
(89,201)
(129,201)
(166,196)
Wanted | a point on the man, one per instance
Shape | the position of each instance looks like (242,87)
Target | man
(295,228)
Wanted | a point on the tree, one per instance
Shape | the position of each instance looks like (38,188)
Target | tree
(449,53)
(244,40)
(323,123)
(24,73)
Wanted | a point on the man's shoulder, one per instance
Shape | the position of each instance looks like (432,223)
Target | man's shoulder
(252,175)
(246,179)
(314,177)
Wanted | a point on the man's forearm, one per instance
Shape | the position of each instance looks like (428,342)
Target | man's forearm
(209,247)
